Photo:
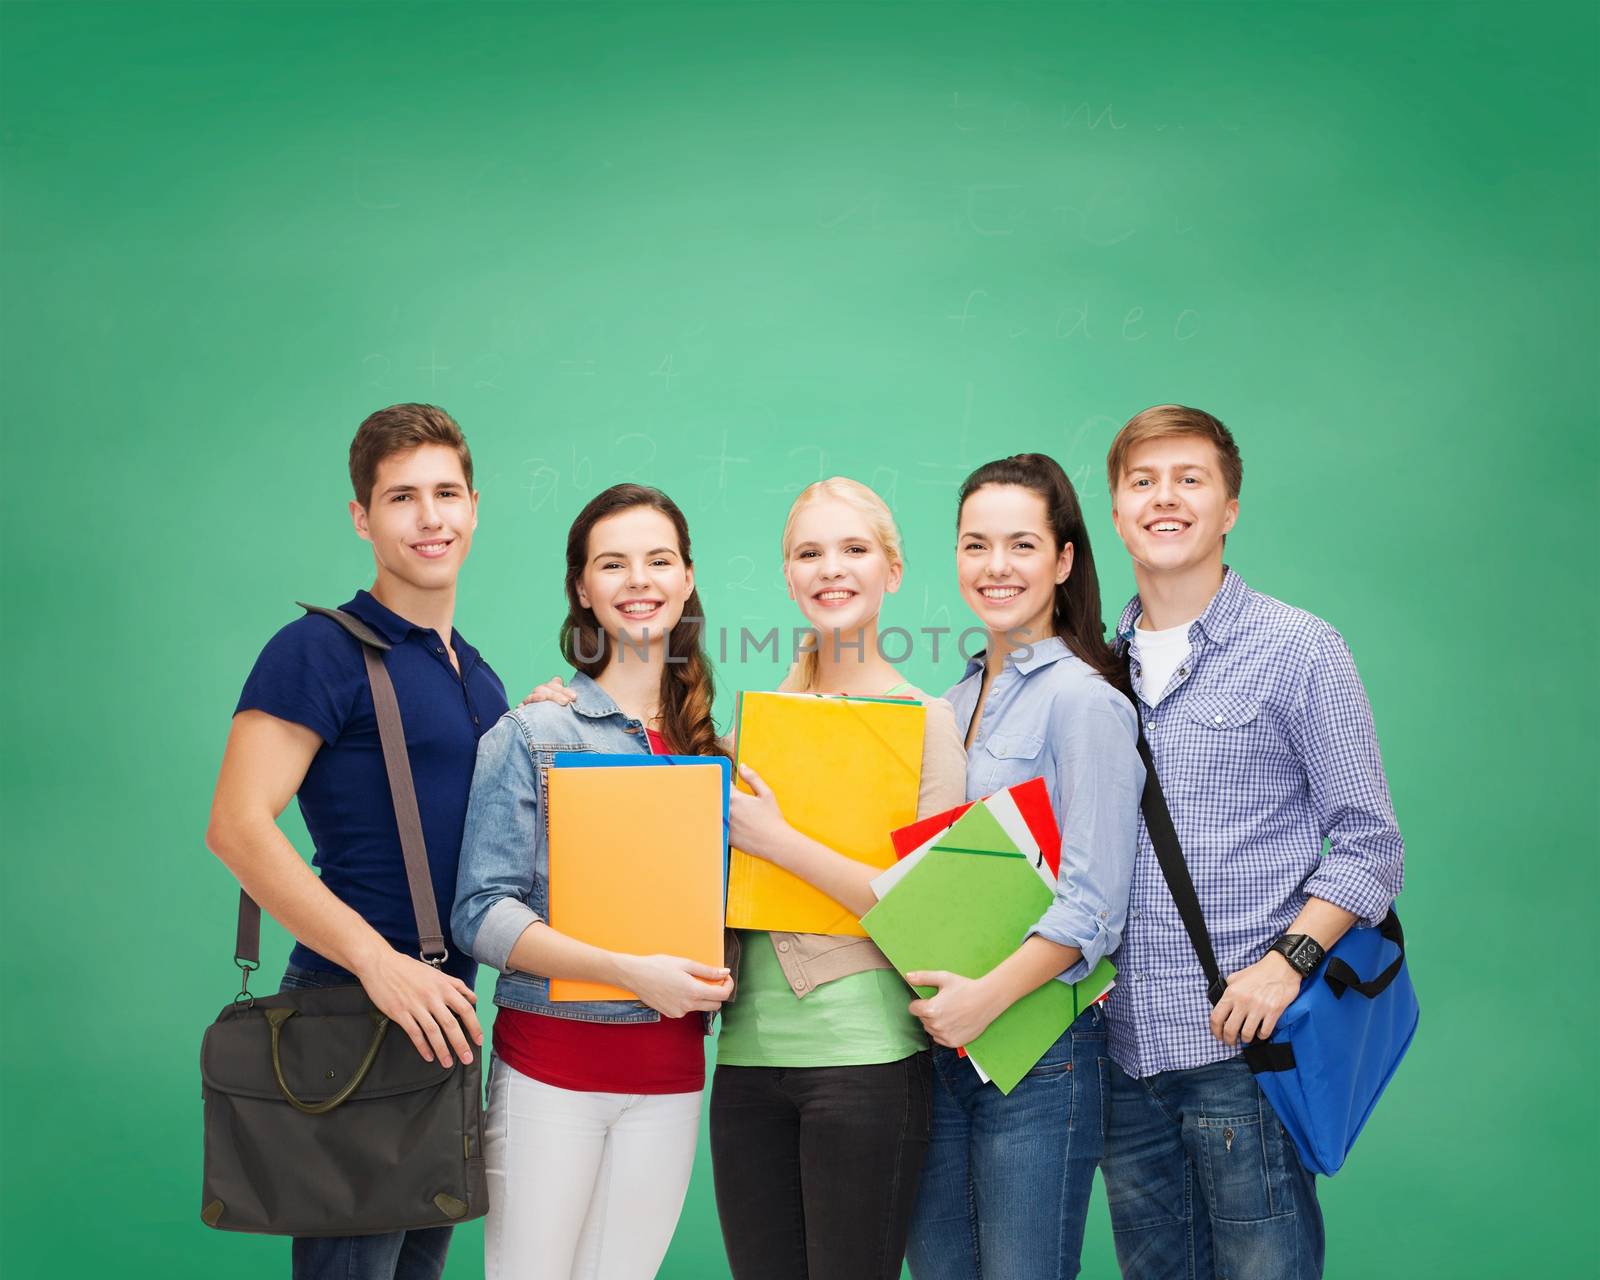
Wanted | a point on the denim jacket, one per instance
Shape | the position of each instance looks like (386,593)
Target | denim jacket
(503,884)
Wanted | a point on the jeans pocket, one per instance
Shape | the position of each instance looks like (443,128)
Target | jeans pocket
(1104,1066)
(297,979)
(1091,1025)
(1087,1123)
(1057,1060)
(1246,1180)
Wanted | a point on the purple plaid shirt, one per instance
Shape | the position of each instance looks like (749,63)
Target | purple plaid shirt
(1265,748)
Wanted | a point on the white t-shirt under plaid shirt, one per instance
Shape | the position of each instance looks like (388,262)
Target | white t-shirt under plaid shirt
(1160,655)
(1265,748)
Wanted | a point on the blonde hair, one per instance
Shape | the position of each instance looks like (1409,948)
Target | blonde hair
(1164,421)
(880,523)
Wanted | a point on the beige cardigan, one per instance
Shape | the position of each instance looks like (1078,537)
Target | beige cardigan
(809,960)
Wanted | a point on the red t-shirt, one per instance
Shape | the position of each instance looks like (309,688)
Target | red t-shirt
(666,1056)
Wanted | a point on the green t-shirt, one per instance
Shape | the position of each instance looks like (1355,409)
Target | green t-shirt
(849,1022)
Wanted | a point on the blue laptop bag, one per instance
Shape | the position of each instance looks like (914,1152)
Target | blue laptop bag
(1336,1048)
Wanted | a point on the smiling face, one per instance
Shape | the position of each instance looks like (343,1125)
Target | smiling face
(837,571)
(635,579)
(1171,505)
(1007,560)
(419,518)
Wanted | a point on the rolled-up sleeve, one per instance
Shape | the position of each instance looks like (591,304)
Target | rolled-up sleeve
(495,879)
(1332,732)
(1100,780)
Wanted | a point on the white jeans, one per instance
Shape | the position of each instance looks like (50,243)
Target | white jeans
(583,1186)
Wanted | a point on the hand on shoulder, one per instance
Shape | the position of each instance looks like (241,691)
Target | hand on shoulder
(552,690)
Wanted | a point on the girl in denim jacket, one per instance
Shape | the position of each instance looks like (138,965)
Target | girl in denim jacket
(594,1107)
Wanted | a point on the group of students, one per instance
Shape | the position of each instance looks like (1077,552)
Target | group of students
(847,1134)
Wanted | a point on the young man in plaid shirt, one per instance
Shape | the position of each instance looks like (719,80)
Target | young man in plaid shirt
(1263,741)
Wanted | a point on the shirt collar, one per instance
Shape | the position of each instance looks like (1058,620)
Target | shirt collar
(393,628)
(382,619)
(1217,620)
(593,701)
(1042,654)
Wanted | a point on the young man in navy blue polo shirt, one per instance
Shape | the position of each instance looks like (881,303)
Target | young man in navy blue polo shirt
(305,727)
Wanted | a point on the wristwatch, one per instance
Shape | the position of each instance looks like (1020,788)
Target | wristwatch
(1305,953)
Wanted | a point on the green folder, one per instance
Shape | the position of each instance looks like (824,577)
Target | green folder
(965,907)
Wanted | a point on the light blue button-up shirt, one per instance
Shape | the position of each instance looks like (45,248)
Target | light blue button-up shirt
(1049,715)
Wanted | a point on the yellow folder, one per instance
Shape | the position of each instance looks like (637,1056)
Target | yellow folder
(846,772)
(636,864)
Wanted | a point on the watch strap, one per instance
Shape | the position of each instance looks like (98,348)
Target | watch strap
(1301,950)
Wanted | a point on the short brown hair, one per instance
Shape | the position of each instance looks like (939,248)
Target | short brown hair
(1163,421)
(399,429)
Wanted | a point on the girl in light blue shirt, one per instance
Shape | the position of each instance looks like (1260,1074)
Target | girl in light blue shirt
(1005,1189)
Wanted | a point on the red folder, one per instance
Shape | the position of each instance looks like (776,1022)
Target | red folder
(1033,803)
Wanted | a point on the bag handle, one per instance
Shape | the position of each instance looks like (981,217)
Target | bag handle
(1341,977)
(277,1017)
(403,791)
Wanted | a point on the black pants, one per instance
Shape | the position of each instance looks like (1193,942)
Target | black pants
(816,1168)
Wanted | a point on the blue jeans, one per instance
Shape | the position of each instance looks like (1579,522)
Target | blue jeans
(1203,1180)
(1005,1187)
(396,1255)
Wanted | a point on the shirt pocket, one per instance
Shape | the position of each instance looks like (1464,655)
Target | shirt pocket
(544,754)
(1006,757)
(1221,712)
(1228,745)
(1014,746)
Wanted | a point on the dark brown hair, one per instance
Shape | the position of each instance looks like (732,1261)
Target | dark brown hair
(1163,422)
(399,429)
(687,687)
(1075,616)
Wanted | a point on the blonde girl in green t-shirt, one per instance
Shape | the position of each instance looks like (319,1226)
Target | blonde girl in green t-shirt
(820,1103)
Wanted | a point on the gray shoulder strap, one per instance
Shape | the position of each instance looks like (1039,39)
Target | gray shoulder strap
(359,629)
(402,789)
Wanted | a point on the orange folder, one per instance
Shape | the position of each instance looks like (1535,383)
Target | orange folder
(636,864)
(846,772)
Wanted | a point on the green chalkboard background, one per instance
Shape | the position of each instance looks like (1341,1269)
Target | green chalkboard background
(729,249)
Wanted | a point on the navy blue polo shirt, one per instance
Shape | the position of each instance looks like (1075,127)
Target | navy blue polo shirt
(312,673)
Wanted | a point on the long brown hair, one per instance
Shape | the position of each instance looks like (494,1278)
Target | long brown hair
(687,687)
(1075,615)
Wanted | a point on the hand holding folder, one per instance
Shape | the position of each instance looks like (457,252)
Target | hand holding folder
(964,906)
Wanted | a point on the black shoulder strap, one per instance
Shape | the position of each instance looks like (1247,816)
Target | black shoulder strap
(1259,1055)
(1169,853)
(397,762)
